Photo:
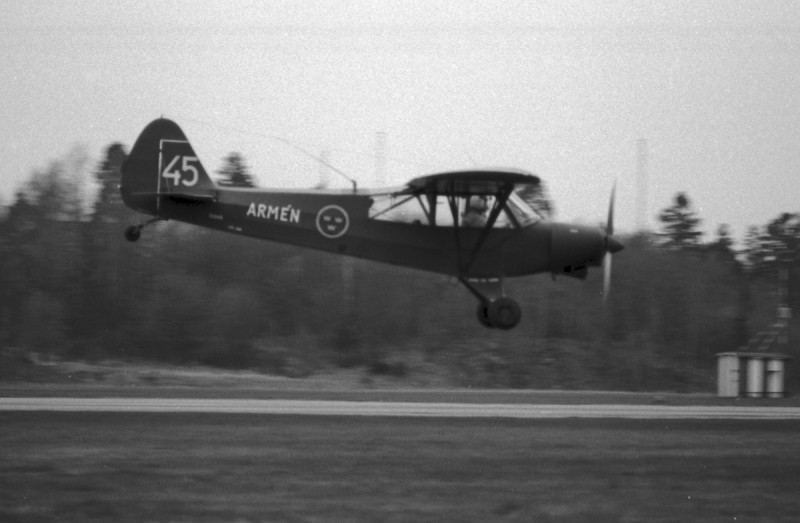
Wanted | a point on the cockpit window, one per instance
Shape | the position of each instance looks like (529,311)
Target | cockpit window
(472,210)
(523,212)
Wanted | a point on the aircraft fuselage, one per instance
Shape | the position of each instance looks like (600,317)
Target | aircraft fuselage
(340,223)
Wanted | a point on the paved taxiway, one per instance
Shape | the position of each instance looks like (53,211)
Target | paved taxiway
(401,409)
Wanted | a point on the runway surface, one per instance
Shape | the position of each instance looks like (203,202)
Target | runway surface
(395,409)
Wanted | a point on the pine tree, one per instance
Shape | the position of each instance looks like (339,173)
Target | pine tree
(108,206)
(722,246)
(777,242)
(723,241)
(782,236)
(680,224)
(234,172)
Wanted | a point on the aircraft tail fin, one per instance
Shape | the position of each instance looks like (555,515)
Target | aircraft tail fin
(163,163)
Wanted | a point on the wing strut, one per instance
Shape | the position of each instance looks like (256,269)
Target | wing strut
(486,290)
(495,309)
(499,204)
(453,203)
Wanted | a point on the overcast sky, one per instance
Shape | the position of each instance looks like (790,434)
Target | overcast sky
(564,89)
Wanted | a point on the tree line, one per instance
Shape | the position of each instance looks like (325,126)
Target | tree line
(72,287)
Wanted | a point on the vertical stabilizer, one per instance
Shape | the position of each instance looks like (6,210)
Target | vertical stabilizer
(162,163)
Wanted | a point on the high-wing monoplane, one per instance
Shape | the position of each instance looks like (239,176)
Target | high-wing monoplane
(472,225)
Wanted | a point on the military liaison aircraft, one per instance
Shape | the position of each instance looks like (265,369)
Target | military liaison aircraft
(472,225)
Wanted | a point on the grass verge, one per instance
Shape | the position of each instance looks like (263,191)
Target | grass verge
(217,467)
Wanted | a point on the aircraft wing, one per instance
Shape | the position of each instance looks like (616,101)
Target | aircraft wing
(465,183)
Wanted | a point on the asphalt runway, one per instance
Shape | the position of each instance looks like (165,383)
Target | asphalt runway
(397,409)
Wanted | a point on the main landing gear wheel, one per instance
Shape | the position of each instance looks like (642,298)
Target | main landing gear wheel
(502,313)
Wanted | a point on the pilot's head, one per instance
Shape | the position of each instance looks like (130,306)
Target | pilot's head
(477,203)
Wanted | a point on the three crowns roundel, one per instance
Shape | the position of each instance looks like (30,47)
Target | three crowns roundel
(332,221)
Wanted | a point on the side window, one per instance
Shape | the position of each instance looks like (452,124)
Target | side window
(477,209)
(401,209)
(522,211)
(471,211)
(444,218)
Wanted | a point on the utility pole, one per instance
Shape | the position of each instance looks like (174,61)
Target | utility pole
(784,312)
(380,159)
(642,219)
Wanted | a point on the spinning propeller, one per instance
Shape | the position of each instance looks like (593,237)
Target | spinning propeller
(611,245)
(575,248)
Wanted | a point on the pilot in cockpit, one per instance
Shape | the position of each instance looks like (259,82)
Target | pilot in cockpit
(475,213)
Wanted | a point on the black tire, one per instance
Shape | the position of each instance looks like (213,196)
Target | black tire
(482,312)
(133,233)
(504,313)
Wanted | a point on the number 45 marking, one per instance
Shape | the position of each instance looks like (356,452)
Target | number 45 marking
(179,173)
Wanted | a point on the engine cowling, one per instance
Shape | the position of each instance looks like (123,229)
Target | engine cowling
(575,248)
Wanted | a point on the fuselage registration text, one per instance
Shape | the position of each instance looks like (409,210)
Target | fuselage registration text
(277,213)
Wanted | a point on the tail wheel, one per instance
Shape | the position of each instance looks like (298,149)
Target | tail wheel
(504,313)
(133,233)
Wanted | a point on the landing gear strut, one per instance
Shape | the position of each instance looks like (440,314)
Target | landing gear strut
(134,232)
(495,310)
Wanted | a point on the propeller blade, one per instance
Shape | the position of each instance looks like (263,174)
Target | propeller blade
(610,222)
(612,245)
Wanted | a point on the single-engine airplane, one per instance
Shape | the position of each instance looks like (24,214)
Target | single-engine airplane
(471,224)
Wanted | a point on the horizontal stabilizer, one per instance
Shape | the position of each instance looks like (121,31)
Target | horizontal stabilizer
(178,195)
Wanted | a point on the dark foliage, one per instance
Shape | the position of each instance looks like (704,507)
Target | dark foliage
(681,224)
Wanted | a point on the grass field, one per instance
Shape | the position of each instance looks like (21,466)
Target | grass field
(217,467)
